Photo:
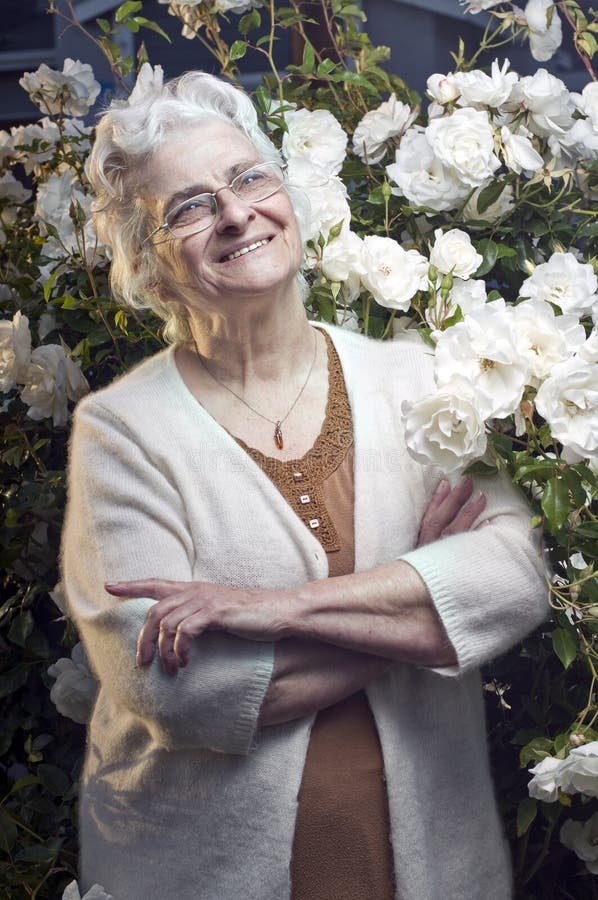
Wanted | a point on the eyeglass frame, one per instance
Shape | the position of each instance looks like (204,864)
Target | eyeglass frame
(213,195)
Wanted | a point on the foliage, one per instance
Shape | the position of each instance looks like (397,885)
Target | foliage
(533,200)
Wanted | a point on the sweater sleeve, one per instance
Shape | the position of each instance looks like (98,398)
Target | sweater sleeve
(488,585)
(126,520)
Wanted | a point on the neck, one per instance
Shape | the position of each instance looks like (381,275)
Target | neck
(262,343)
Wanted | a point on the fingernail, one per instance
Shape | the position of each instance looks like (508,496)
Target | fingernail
(442,486)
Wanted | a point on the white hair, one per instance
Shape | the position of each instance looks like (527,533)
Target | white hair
(127,136)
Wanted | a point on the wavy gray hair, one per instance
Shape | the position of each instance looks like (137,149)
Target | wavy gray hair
(127,135)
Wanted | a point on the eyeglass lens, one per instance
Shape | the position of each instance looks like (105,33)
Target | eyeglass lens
(199,212)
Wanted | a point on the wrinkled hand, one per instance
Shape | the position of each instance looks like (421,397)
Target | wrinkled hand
(450,511)
(185,609)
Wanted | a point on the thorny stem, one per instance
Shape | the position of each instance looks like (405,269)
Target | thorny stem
(585,59)
(73,22)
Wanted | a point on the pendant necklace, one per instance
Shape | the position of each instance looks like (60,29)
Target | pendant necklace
(278,423)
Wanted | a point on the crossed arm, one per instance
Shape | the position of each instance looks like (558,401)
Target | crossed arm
(332,636)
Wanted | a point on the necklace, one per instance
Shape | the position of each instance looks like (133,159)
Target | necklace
(278,423)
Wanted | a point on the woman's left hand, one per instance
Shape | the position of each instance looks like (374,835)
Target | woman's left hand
(185,609)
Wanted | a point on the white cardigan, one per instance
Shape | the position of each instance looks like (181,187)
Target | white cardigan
(181,795)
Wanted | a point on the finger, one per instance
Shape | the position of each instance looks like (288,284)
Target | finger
(443,508)
(148,636)
(466,516)
(156,588)
(175,635)
(189,629)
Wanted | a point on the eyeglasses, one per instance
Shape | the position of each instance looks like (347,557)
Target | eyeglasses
(198,213)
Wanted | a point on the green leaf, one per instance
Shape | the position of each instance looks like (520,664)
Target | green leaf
(20,629)
(54,779)
(538,748)
(238,50)
(565,646)
(8,831)
(128,9)
(104,24)
(249,22)
(152,26)
(527,811)
(49,283)
(37,853)
(490,195)
(480,468)
(309,58)
(489,251)
(555,503)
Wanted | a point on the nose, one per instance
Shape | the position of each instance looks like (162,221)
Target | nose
(233,213)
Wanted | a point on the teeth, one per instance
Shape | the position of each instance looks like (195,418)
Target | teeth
(245,250)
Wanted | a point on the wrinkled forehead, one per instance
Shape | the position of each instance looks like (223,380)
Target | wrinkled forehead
(195,157)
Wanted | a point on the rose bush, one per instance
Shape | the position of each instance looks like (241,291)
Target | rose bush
(468,216)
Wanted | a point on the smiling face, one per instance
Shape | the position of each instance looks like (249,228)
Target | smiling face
(252,251)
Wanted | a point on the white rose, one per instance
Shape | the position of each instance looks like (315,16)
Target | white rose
(7,150)
(548,102)
(315,136)
(15,351)
(476,6)
(378,126)
(478,89)
(46,323)
(562,280)
(465,142)
(50,381)
(546,781)
(587,102)
(581,141)
(453,252)
(501,207)
(12,195)
(320,199)
(236,6)
(445,430)
(74,691)
(347,318)
(467,295)
(483,350)
(342,262)
(392,274)
(149,82)
(582,838)
(59,597)
(568,400)
(422,178)
(96,891)
(442,88)
(580,770)
(589,351)
(54,199)
(518,152)
(53,206)
(544,39)
(544,338)
(72,91)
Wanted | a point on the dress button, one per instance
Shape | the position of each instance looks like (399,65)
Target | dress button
(297,476)
(304,498)
(314,523)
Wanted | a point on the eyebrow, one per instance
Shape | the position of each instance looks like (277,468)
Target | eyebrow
(192,190)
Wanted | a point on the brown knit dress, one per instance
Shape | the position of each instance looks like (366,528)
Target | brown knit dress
(341,849)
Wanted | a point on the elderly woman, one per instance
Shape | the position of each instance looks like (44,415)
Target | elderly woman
(286,614)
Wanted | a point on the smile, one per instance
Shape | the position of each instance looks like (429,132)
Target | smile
(237,253)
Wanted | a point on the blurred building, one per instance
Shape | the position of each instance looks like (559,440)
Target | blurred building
(421,34)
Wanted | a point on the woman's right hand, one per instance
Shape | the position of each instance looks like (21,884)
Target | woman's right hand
(450,511)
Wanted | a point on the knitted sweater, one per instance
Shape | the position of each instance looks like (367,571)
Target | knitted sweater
(181,794)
